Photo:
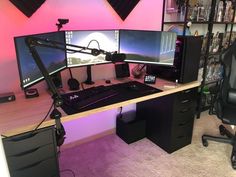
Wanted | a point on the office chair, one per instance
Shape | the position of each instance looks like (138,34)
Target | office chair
(224,101)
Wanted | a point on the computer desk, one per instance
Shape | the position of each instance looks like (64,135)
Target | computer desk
(23,115)
(168,117)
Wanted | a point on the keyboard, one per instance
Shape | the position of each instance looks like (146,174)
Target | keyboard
(99,96)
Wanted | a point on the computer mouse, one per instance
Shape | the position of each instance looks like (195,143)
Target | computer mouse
(133,87)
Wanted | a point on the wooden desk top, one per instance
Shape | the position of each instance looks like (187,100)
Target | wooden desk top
(23,115)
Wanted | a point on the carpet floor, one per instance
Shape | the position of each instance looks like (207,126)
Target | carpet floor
(112,157)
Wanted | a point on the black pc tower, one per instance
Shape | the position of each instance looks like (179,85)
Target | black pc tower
(186,62)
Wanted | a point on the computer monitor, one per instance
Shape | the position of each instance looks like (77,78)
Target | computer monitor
(107,40)
(53,59)
(148,47)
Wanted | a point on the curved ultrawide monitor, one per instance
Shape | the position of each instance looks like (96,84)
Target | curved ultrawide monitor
(148,47)
(53,59)
(107,40)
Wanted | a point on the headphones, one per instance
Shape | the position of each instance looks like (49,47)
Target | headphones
(60,135)
(59,129)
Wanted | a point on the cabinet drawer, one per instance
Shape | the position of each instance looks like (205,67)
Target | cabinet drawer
(33,156)
(46,168)
(182,136)
(183,105)
(183,115)
(182,128)
(186,96)
(28,141)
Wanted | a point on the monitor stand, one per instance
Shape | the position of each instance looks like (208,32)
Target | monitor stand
(89,76)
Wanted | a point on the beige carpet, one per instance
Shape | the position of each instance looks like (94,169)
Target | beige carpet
(111,157)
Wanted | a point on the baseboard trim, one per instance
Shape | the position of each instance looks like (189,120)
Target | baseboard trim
(88,139)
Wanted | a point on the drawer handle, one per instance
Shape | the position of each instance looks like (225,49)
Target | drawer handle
(185,101)
(183,123)
(181,136)
(16,139)
(187,91)
(26,152)
(185,110)
(31,165)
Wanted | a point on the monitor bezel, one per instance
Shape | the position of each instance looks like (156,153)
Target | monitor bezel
(25,86)
(93,64)
(141,61)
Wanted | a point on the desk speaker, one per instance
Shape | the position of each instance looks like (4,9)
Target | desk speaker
(122,70)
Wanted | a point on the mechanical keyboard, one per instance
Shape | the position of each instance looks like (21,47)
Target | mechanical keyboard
(98,96)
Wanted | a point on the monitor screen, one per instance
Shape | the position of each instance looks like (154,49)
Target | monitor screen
(107,40)
(53,59)
(148,47)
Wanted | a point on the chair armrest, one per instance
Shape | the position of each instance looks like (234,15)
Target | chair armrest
(214,92)
(232,96)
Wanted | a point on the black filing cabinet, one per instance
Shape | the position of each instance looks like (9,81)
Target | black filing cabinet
(32,154)
(169,119)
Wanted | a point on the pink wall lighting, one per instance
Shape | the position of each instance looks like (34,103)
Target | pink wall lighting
(83,14)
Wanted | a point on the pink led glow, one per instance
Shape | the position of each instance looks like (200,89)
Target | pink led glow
(83,14)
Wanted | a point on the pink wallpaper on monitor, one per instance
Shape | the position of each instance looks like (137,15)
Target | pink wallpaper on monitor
(83,14)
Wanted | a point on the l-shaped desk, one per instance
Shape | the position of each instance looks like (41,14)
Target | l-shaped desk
(23,115)
(168,119)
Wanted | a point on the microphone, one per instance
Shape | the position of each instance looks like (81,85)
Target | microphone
(115,57)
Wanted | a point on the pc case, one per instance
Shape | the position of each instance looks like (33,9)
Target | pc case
(186,61)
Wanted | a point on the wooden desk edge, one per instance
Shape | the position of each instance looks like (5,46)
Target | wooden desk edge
(67,118)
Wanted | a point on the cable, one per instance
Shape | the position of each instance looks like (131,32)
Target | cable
(71,76)
(43,118)
(94,41)
(82,86)
(121,108)
(68,170)
(120,113)
(4,136)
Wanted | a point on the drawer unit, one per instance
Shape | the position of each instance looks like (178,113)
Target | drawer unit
(169,119)
(44,168)
(27,141)
(32,153)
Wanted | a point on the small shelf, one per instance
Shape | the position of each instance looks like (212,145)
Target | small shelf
(199,22)
(174,22)
(209,21)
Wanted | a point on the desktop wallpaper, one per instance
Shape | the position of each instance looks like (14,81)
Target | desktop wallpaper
(107,40)
(148,46)
(53,59)
(82,15)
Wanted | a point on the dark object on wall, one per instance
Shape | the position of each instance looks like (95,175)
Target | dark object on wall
(122,70)
(28,7)
(123,8)
(186,62)
(61,22)
(7,97)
